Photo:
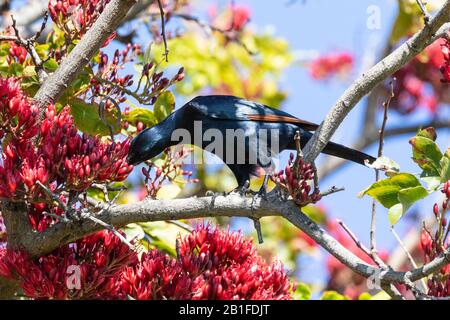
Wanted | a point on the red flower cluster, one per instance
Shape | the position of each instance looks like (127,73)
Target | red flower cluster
(429,70)
(52,153)
(81,160)
(107,80)
(240,17)
(296,179)
(38,217)
(211,264)
(82,13)
(327,66)
(235,18)
(445,67)
(433,245)
(75,17)
(16,52)
(87,269)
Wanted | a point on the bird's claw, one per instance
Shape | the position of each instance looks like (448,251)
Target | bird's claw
(244,189)
(262,193)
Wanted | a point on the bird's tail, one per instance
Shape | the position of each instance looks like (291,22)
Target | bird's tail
(344,152)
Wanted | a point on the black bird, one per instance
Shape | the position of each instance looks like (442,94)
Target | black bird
(263,128)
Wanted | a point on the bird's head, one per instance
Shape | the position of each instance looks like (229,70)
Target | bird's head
(146,145)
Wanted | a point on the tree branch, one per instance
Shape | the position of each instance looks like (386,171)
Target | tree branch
(83,52)
(38,244)
(437,27)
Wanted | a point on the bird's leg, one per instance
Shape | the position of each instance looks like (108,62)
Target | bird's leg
(214,195)
(263,190)
(261,193)
(242,190)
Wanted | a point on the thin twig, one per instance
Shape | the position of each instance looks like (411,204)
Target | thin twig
(228,36)
(102,111)
(110,228)
(52,196)
(423,8)
(330,191)
(181,225)
(28,44)
(373,246)
(410,257)
(400,242)
(163,30)
(108,187)
(358,243)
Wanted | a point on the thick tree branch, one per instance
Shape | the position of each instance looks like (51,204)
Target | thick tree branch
(233,205)
(437,27)
(83,52)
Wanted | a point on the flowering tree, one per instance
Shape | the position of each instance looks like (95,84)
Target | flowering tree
(77,222)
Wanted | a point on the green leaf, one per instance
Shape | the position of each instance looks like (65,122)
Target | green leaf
(407,198)
(382,295)
(397,193)
(429,133)
(426,153)
(145,116)
(365,296)
(51,65)
(87,119)
(333,295)
(303,292)
(408,20)
(314,212)
(411,195)
(29,71)
(164,105)
(395,213)
(445,168)
(386,191)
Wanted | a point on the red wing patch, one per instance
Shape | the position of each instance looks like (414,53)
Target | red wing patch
(277,118)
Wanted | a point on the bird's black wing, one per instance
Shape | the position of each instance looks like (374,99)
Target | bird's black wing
(234,108)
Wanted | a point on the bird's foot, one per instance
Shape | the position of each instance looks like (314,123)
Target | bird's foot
(213,196)
(241,190)
(261,193)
